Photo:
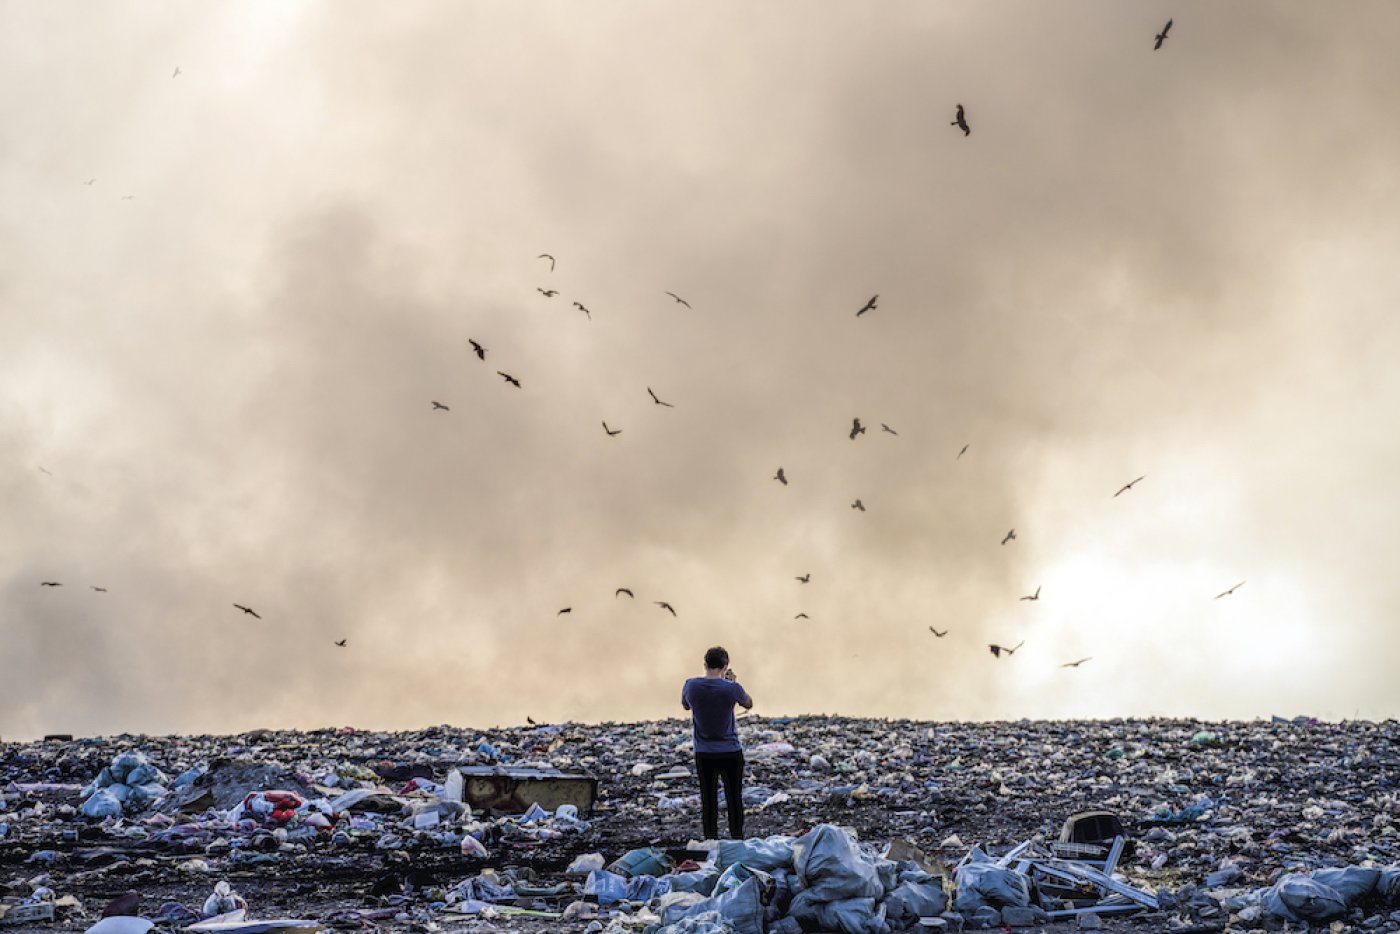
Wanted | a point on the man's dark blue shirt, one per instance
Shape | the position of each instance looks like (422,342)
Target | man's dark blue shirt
(711,704)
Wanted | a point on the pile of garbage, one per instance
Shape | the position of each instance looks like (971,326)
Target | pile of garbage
(388,826)
(129,783)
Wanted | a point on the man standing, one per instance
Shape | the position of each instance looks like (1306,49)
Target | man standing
(718,755)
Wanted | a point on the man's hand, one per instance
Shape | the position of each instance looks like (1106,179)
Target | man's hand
(729,675)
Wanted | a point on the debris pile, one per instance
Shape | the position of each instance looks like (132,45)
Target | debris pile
(560,826)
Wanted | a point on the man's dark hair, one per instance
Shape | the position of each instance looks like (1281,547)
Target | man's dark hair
(717,657)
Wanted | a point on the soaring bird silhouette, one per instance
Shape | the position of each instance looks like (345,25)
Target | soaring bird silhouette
(624,590)
(658,401)
(1034,596)
(1078,663)
(509,379)
(1162,36)
(805,577)
(780,477)
(679,299)
(884,427)
(247,610)
(90,181)
(177,72)
(479,350)
(998,649)
(579,306)
(802,616)
(567,609)
(97,588)
(548,257)
(50,584)
(1009,536)
(961,121)
(858,505)
(611,431)
(1227,593)
(665,606)
(962,452)
(1128,486)
(869,306)
(439,405)
(547,293)
(856,429)
(937,633)
(340,642)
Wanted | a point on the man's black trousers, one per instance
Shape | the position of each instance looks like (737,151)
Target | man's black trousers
(711,767)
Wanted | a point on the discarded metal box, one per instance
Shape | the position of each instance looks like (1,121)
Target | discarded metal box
(512,791)
(1089,835)
(11,913)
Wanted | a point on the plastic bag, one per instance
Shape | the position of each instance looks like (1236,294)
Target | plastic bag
(767,854)
(831,866)
(848,915)
(983,882)
(1302,898)
(607,887)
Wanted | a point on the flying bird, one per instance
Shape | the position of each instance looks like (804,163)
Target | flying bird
(869,306)
(962,452)
(547,293)
(658,401)
(479,350)
(665,606)
(885,427)
(858,505)
(176,73)
(340,642)
(97,588)
(805,578)
(509,379)
(1227,593)
(50,584)
(567,609)
(247,610)
(1128,486)
(90,181)
(624,590)
(438,405)
(802,616)
(42,470)
(1078,663)
(548,257)
(1162,36)
(856,429)
(1009,536)
(998,649)
(611,431)
(937,633)
(961,122)
(780,477)
(679,299)
(579,306)
(1034,596)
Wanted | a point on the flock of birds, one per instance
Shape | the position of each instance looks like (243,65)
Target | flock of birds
(856,430)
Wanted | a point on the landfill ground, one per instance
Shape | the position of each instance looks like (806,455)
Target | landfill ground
(1257,798)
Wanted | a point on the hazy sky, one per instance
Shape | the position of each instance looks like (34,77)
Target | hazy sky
(1178,264)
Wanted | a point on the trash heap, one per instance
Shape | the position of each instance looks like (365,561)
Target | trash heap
(375,826)
(129,783)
